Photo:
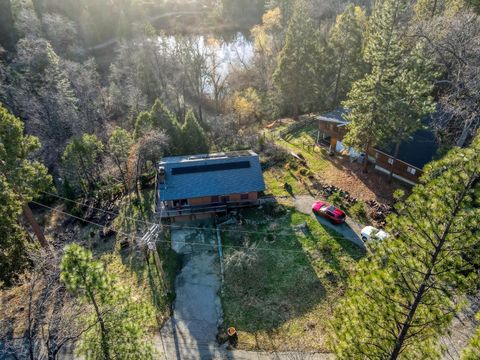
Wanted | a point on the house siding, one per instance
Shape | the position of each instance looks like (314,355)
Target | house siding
(379,158)
(400,167)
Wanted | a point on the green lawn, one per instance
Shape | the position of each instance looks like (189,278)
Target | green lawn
(281,282)
(292,172)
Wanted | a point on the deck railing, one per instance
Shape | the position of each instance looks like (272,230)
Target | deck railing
(166,211)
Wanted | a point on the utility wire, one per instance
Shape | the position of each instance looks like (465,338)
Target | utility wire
(292,233)
(168,242)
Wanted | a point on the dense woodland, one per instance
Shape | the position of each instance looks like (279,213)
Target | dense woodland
(93,93)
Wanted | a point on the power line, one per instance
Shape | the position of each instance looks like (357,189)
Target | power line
(292,233)
(168,242)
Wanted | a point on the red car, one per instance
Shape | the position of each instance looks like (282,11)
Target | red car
(328,211)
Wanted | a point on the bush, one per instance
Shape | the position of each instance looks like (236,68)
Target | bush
(358,210)
(336,198)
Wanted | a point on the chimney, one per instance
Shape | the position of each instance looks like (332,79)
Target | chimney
(161,175)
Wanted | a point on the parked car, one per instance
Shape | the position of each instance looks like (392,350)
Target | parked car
(328,211)
(370,233)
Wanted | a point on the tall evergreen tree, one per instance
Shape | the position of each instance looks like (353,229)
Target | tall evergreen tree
(297,62)
(21,180)
(194,139)
(160,119)
(472,352)
(405,294)
(8,35)
(391,100)
(345,46)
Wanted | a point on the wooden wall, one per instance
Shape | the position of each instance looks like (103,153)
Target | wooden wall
(400,168)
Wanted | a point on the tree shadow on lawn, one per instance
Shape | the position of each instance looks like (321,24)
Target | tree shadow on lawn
(281,269)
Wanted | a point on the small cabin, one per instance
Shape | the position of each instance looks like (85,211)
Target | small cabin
(413,154)
(196,187)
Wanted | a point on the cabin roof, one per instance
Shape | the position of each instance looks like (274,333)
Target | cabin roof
(218,174)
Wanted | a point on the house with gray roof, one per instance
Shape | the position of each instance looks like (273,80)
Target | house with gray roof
(198,186)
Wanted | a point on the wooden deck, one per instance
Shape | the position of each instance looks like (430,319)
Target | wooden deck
(167,212)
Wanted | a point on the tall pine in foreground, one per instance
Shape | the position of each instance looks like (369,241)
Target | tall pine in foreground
(21,180)
(297,62)
(390,101)
(119,321)
(405,294)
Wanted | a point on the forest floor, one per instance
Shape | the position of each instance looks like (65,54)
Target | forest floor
(284,273)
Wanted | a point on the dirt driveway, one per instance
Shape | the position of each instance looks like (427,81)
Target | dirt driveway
(350,229)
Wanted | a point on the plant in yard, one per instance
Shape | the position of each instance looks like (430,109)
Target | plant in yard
(405,294)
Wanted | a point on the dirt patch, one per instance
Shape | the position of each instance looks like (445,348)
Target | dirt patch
(349,176)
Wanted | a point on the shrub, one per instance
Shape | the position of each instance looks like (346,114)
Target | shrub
(358,210)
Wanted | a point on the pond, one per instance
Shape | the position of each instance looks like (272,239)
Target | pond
(225,51)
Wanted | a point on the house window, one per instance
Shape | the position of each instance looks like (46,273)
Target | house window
(411,170)
(214,199)
(390,161)
(244,196)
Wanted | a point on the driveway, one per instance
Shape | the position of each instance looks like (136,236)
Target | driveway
(191,331)
(349,230)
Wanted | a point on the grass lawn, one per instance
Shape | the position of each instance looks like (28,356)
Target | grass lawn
(295,174)
(282,279)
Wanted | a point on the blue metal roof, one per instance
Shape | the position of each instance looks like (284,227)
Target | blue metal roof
(210,175)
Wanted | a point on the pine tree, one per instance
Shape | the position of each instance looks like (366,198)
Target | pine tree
(345,46)
(160,119)
(405,294)
(21,180)
(121,322)
(297,62)
(472,352)
(81,161)
(194,139)
(391,100)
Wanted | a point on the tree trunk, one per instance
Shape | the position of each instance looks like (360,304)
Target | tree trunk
(365,161)
(35,227)
(337,81)
(434,8)
(103,328)
(395,156)
(296,109)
